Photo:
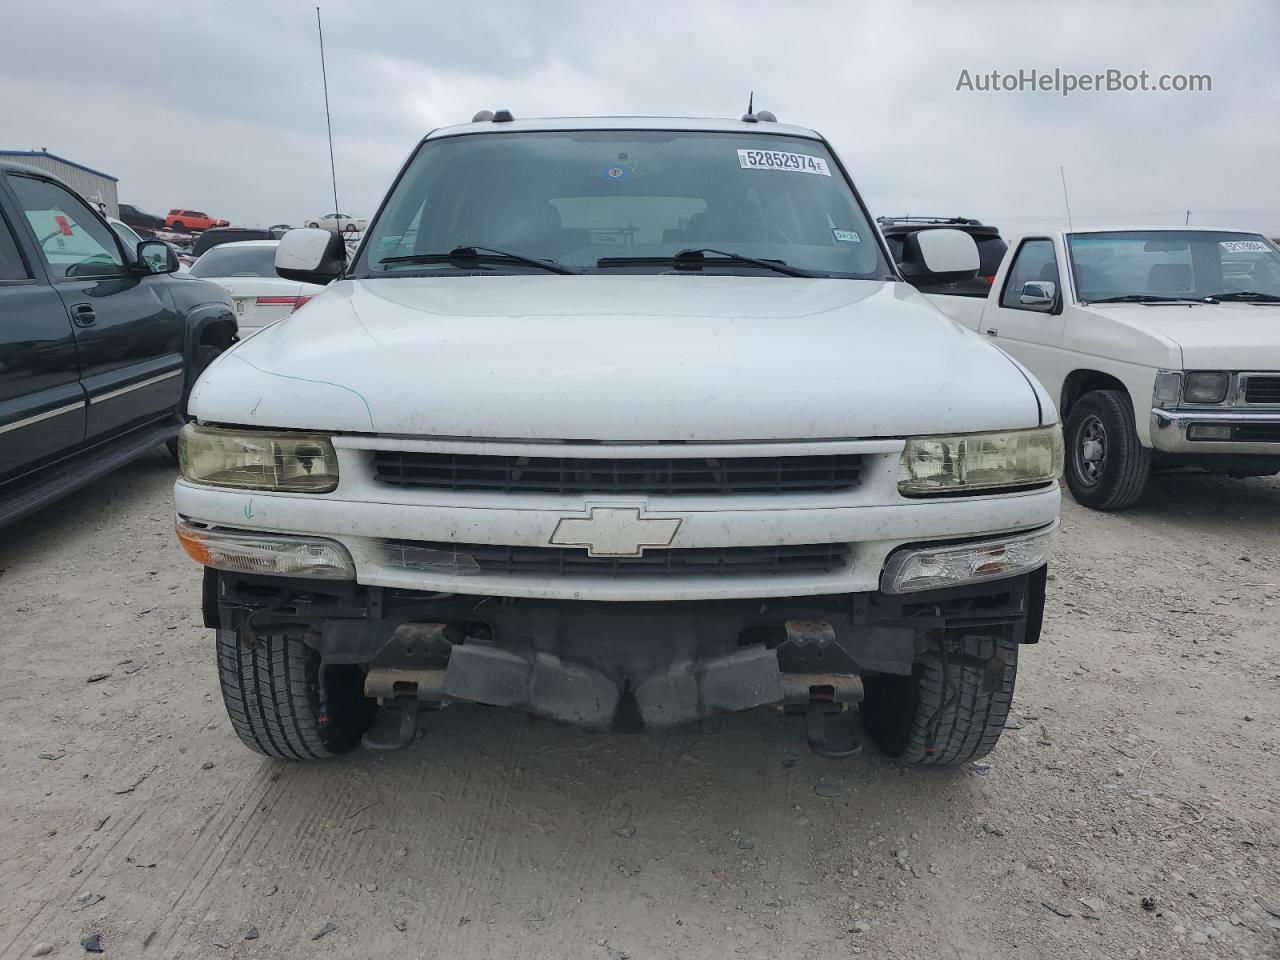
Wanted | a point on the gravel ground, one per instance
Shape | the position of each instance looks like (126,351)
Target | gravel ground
(1142,767)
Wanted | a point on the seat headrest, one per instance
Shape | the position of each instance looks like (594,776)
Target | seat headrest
(1169,278)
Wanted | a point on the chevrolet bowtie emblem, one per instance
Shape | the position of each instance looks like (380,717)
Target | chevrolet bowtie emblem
(615,532)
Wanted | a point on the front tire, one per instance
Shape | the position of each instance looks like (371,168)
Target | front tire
(1106,465)
(283,705)
(953,707)
(313,225)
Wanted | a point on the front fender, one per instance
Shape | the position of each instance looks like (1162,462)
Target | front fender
(213,323)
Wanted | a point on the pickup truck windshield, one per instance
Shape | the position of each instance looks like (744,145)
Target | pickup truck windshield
(1165,265)
(631,198)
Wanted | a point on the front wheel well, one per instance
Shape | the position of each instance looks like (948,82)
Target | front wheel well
(220,335)
(1080,382)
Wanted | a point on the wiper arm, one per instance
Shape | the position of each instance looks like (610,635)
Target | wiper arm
(1144,298)
(1246,296)
(696,256)
(465,253)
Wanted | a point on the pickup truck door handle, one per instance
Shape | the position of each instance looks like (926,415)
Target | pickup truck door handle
(82,315)
(992,332)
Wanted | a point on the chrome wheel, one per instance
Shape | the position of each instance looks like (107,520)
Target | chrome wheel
(1091,450)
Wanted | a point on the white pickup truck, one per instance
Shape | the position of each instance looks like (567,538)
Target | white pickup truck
(1161,348)
(623,422)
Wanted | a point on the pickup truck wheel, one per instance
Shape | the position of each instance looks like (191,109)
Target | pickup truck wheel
(282,705)
(951,709)
(1106,465)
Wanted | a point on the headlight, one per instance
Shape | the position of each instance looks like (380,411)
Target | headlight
(980,461)
(257,459)
(1206,386)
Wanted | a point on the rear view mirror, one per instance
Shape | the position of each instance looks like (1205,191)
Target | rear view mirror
(156,256)
(939,256)
(311,255)
(1039,294)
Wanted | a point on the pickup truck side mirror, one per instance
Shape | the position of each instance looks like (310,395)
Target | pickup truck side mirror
(311,255)
(156,256)
(1039,294)
(939,256)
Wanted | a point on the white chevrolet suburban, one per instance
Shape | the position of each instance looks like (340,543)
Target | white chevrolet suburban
(1160,346)
(622,422)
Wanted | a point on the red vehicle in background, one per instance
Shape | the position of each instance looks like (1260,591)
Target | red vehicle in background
(191,220)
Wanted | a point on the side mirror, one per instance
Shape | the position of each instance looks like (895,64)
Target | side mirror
(1039,294)
(939,256)
(311,255)
(156,256)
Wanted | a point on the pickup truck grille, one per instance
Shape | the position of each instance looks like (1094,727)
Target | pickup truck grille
(806,558)
(1262,390)
(577,475)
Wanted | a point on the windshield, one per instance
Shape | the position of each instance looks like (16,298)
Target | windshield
(579,197)
(227,261)
(1191,264)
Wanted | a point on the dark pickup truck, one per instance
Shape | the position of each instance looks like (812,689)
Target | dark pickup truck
(99,344)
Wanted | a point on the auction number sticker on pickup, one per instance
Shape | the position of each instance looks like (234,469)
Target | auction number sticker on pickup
(777,160)
(1238,246)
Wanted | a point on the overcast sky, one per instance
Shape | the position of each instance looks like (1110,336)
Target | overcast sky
(218,106)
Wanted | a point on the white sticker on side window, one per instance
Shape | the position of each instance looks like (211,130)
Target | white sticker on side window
(1243,246)
(777,160)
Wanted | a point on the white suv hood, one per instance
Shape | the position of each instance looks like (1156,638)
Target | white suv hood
(619,358)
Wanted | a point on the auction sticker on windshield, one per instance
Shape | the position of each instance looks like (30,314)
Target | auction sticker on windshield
(777,160)
(1236,246)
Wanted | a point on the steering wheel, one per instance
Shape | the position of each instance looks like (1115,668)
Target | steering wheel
(766,228)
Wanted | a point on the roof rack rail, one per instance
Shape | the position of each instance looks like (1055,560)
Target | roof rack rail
(965,221)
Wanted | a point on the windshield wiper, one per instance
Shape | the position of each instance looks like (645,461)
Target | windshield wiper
(1145,298)
(466,253)
(1245,296)
(696,256)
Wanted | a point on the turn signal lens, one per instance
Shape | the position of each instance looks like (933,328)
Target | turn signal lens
(257,459)
(980,461)
(912,570)
(265,553)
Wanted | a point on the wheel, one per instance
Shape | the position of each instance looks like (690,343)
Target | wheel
(179,225)
(282,706)
(1107,467)
(313,225)
(952,708)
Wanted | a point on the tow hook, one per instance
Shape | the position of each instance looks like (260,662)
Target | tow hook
(824,699)
(394,725)
(821,720)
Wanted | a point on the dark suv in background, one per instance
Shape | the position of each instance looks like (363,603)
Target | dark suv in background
(99,344)
(991,250)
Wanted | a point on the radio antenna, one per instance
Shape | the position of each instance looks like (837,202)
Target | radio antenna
(1066,199)
(751,100)
(324,77)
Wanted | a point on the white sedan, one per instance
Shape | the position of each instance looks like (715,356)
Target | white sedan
(247,270)
(339,222)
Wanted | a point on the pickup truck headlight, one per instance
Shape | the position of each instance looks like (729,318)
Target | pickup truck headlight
(1206,386)
(972,462)
(257,459)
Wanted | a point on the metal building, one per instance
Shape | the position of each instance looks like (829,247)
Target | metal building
(95,186)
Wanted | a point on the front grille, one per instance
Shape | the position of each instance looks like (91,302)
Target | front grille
(1257,432)
(578,475)
(1262,390)
(463,558)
